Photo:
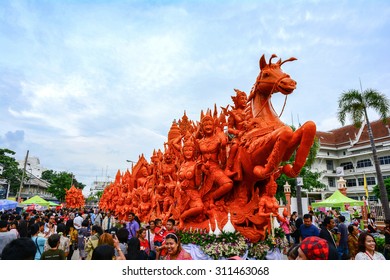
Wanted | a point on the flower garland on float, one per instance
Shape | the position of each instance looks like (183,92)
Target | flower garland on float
(231,244)
(228,243)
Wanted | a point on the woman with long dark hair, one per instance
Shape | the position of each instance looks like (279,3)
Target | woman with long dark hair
(367,248)
(134,250)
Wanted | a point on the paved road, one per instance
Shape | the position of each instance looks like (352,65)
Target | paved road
(76,255)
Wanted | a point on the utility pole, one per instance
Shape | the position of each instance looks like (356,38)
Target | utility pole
(299,195)
(9,185)
(21,181)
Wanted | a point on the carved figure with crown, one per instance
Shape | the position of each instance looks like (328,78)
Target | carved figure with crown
(188,184)
(212,149)
(144,207)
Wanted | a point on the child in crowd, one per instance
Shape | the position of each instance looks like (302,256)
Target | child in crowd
(162,250)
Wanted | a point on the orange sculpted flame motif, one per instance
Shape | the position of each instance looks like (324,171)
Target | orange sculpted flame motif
(225,163)
(74,198)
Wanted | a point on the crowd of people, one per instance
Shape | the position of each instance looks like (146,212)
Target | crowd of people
(329,237)
(96,235)
(56,235)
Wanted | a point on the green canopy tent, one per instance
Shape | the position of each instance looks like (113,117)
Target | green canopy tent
(337,199)
(53,203)
(36,200)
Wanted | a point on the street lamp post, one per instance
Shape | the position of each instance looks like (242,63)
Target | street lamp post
(132,163)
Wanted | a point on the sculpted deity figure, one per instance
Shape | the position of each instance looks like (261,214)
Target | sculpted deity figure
(154,168)
(169,194)
(128,204)
(159,198)
(213,149)
(167,210)
(141,181)
(236,127)
(145,207)
(268,204)
(168,167)
(189,180)
(136,201)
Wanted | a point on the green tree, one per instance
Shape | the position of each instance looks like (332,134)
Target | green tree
(11,170)
(95,197)
(311,180)
(376,191)
(60,182)
(355,104)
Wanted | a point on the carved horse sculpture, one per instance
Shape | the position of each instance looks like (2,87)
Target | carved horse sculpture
(268,141)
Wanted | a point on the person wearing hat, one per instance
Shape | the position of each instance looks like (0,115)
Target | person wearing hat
(5,235)
(316,248)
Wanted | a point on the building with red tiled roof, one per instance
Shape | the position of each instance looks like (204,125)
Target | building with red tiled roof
(346,152)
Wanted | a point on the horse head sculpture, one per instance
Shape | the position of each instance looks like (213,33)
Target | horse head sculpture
(270,142)
(271,79)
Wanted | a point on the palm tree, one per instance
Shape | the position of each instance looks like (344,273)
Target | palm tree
(355,104)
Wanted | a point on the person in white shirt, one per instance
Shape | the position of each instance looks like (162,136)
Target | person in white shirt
(5,235)
(78,221)
(50,227)
(108,222)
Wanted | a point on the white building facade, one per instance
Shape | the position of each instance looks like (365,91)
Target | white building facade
(346,152)
(33,184)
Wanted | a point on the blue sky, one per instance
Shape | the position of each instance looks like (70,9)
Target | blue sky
(86,85)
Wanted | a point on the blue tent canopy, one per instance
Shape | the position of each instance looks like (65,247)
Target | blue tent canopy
(6,204)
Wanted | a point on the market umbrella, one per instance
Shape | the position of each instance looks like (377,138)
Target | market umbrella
(6,204)
(36,200)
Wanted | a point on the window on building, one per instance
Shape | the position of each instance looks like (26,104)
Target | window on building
(331,182)
(351,182)
(363,163)
(386,176)
(384,160)
(329,165)
(370,181)
(347,165)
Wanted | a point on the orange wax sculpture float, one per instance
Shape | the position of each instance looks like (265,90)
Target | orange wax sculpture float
(74,198)
(226,163)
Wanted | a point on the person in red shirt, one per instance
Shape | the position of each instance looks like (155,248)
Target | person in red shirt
(163,232)
(141,234)
(158,236)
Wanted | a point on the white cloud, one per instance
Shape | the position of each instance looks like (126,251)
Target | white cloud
(95,84)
